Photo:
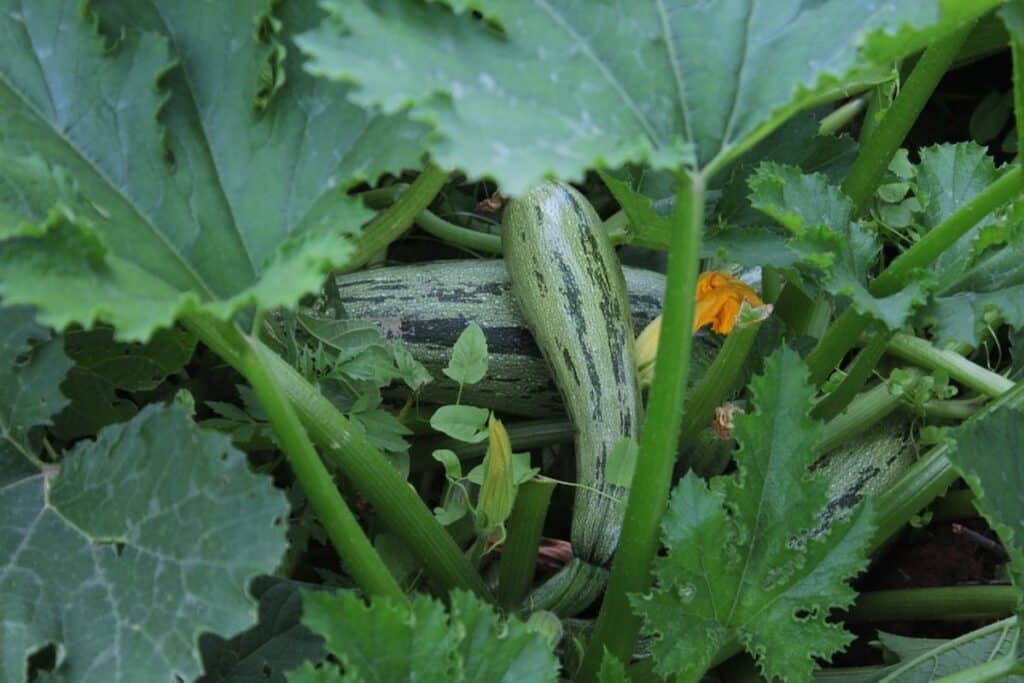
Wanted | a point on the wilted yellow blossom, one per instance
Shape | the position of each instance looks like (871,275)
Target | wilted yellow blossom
(498,491)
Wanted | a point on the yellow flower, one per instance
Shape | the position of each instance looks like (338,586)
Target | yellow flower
(719,298)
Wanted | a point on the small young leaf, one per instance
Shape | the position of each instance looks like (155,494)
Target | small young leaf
(451,462)
(410,370)
(618,468)
(465,423)
(468,364)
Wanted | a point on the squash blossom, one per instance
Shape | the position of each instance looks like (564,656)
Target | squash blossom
(719,298)
(498,491)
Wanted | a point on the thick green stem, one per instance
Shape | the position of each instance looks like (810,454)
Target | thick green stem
(397,505)
(519,556)
(830,349)
(944,235)
(947,603)
(865,410)
(475,240)
(875,155)
(718,382)
(955,409)
(617,626)
(391,223)
(928,478)
(857,375)
(921,353)
(355,550)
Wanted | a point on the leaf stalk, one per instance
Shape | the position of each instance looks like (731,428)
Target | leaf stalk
(617,626)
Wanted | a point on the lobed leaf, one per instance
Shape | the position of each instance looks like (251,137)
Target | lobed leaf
(982,273)
(552,89)
(190,165)
(419,641)
(104,367)
(144,539)
(839,252)
(742,561)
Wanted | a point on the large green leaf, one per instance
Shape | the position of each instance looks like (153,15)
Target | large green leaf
(742,561)
(32,366)
(190,164)
(419,642)
(553,88)
(144,539)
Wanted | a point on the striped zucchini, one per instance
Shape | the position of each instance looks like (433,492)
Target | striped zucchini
(571,292)
(427,305)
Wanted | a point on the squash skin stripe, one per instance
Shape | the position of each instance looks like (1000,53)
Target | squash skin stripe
(427,305)
(571,292)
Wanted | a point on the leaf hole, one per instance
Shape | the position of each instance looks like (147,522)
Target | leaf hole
(804,614)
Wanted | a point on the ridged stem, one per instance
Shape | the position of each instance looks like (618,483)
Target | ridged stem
(944,235)
(397,505)
(617,626)
(357,554)
(845,331)
(868,408)
(946,603)
(993,671)
(718,381)
(874,156)
(857,374)
(392,223)
(921,353)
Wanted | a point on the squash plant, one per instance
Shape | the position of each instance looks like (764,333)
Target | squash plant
(186,405)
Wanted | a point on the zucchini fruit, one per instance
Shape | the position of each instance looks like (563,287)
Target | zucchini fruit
(427,305)
(569,286)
